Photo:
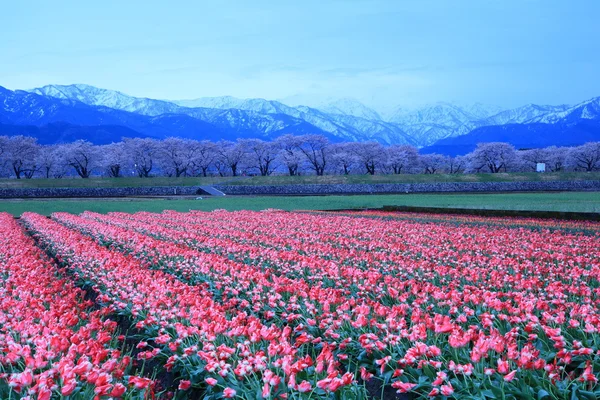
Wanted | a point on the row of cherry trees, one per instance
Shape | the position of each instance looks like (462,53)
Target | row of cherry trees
(22,157)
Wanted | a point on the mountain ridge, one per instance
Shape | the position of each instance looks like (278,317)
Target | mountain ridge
(229,118)
(342,127)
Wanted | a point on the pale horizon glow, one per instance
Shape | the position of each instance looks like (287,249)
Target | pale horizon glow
(383,53)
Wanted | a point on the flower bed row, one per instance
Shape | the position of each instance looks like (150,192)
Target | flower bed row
(589,227)
(260,292)
(508,309)
(215,348)
(53,342)
(407,248)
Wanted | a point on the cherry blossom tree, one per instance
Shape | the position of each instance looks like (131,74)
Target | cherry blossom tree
(370,155)
(175,155)
(220,166)
(557,158)
(231,155)
(51,162)
(203,157)
(494,157)
(83,157)
(432,163)
(586,157)
(456,165)
(22,157)
(3,144)
(343,157)
(21,154)
(115,159)
(531,157)
(289,153)
(143,154)
(402,158)
(260,155)
(316,149)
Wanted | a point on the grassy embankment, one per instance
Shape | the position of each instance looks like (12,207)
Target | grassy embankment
(292,180)
(565,201)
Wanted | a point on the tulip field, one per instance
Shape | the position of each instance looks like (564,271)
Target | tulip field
(298,305)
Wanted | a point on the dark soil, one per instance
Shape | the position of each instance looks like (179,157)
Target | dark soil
(374,390)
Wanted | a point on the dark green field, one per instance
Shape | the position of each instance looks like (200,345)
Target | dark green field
(566,201)
(292,180)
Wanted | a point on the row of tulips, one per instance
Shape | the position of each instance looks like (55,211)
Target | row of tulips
(213,347)
(354,256)
(322,268)
(53,342)
(585,226)
(520,320)
(260,292)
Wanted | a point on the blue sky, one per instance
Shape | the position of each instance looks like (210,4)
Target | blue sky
(384,53)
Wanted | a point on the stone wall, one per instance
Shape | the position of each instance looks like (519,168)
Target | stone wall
(98,192)
(299,190)
(445,187)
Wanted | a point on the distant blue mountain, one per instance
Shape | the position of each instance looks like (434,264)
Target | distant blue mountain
(347,120)
(522,136)
(58,113)
(62,132)
(54,120)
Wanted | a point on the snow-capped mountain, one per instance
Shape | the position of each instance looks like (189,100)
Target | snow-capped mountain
(228,103)
(231,113)
(445,114)
(520,115)
(230,118)
(431,123)
(344,118)
(222,102)
(481,111)
(528,127)
(20,108)
(94,96)
(350,107)
(589,109)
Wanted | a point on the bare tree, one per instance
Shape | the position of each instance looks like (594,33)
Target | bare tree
(82,156)
(432,163)
(203,156)
(316,150)
(494,156)
(289,153)
(586,157)
(142,153)
(370,155)
(21,154)
(260,154)
(402,158)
